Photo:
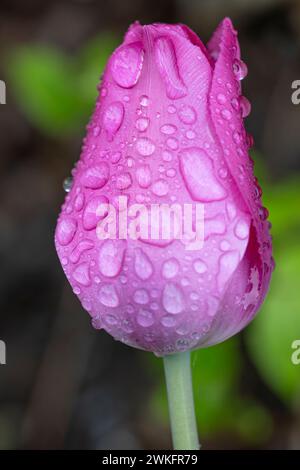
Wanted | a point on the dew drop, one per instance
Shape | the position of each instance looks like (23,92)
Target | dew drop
(221,99)
(144,101)
(95,210)
(142,265)
(115,157)
(124,181)
(240,69)
(108,295)
(171,109)
(80,248)
(168,320)
(166,62)
(187,114)
(111,257)
(168,129)
(167,156)
(111,319)
(245,106)
(198,174)
(172,143)
(66,230)
(172,299)
(143,176)
(126,64)
(112,118)
(141,296)
(81,274)
(224,245)
(230,210)
(228,263)
(200,266)
(142,124)
(241,229)
(145,318)
(145,146)
(95,177)
(160,188)
(67,184)
(226,114)
(235,104)
(170,268)
(79,202)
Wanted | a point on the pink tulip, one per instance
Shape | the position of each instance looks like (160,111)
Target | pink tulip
(168,128)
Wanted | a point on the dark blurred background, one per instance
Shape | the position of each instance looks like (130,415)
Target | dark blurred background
(66,385)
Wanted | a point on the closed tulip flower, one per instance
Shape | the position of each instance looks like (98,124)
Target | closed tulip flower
(163,236)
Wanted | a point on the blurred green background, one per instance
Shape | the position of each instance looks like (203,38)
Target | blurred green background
(66,385)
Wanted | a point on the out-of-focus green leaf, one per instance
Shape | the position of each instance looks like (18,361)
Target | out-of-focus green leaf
(271,335)
(91,63)
(43,81)
(56,92)
(283,202)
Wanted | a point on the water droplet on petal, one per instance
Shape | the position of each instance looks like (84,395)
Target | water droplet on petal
(240,69)
(226,114)
(221,98)
(115,157)
(231,210)
(108,295)
(111,257)
(145,318)
(145,146)
(171,109)
(224,245)
(167,156)
(187,114)
(168,320)
(168,129)
(124,181)
(223,172)
(112,118)
(79,202)
(141,296)
(228,263)
(144,100)
(81,274)
(166,61)
(111,319)
(170,268)
(200,266)
(142,265)
(95,177)
(143,176)
(160,188)
(95,210)
(190,134)
(80,248)
(126,64)
(245,106)
(67,184)
(241,229)
(172,143)
(235,104)
(142,124)
(66,230)
(198,174)
(172,299)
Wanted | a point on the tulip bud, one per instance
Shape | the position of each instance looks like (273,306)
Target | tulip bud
(163,236)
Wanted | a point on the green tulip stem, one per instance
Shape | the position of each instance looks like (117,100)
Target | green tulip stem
(181,401)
